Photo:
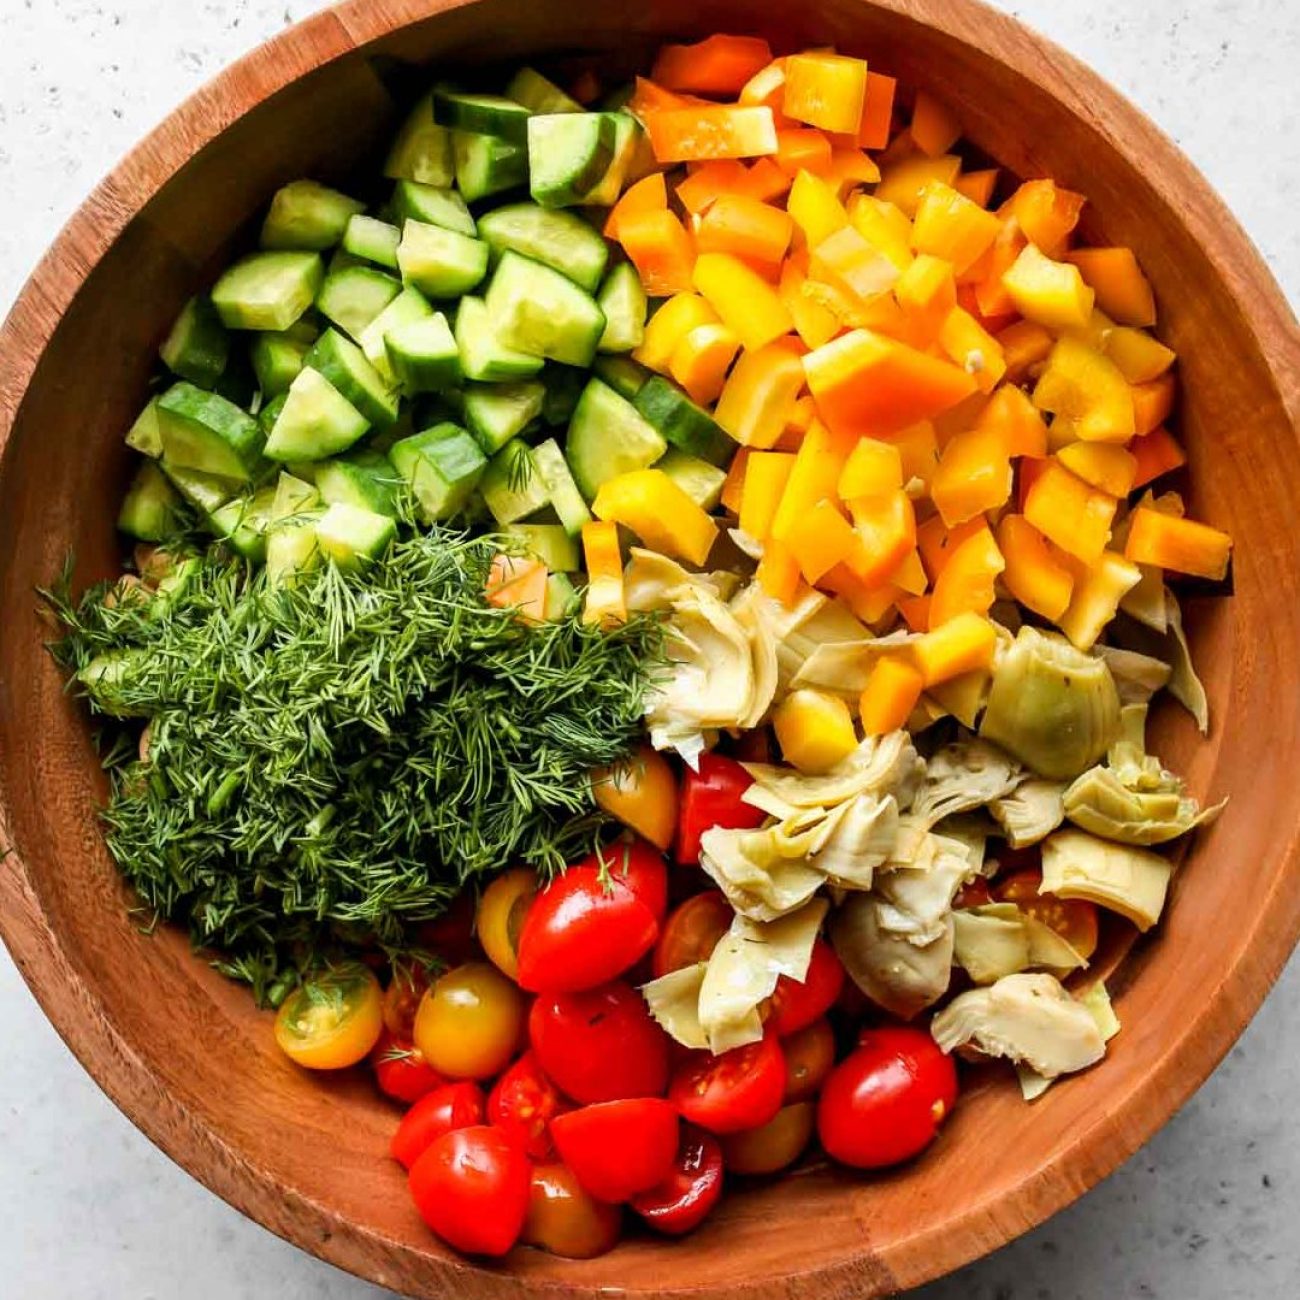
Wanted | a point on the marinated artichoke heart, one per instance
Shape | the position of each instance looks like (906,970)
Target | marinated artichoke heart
(1137,676)
(1027,1019)
(967,774)
(1051,706)
(1125,879)
(1097,1000)
(1031,812)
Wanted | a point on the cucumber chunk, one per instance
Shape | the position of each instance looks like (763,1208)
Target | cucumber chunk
(372,240)
(682,423)
(268,291)
(558,239)
(422,150)
(483,356)
(198,345)
(623,301)
(540,311)
(625,376)
(700,481)
(483,114)
(409,305)
(316,421)
(566,500)
(496,413)
(550,544)
(354,295)
(243,523)
(151,506)
(345,366)
(364,478)
(568,153)
(423,354)
(511,486)
(608,436)
(307,215)
(629,138)
(440,263)
(564,385)
(432,205)
(204,431)
(539,94)
(292,548)
(561,598)
(351,536)
(442,466)
(145,435)
(205,492)
(486,165)
(293,496)
(270,413)
(277,359)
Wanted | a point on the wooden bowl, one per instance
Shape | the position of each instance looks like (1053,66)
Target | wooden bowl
(185,1054)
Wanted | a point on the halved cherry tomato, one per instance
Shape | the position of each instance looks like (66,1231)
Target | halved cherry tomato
(809,1058)
(472,1188)
(1074,919)
(753,746)
(601,1045)
(618,1148)
(522,1105)
(711,797)
(740,1089)
(642,794)
(333,1019)
(642,869)
(567,1220)
(401,1070)
(470,1022)
(445,1109)
(584,929)
(692,932)
(884,1103)
(402,999)
(692,1188)
(974,894)
(794,1005)
(501,913)
(451,935)
(774,1146)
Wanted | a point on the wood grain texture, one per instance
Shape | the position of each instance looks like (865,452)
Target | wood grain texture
(184,1053)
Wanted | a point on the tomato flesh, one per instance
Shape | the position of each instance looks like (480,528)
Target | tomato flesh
(619,1148)
(401,1070)
(1075,919)
(500,918)
(795,1004)
(684,1199)
(809,1058)
(711,796)
(740,1089)
(642,795)
(333,1019)
(692,932)
(522,1104)
(565,1219)
(447,1108)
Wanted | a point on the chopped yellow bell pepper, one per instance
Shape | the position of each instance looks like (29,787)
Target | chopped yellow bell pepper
(977,186)
(1068,512)
(825,90)
(673,321)
(816,208)
(1033,575)
(1051,293)
(910,576)
(766,474)
(778,572)
(1025,346)
(1122,290)
(1140,357)
(902,182)
(1103,465)
(1179,544)
(927,293)
(962,645)
(974,475)
(814,323)
(1086,388)
(846,258)
(814,476)
(934,126)
(819,539)
(701,360)
(605,597)
(815,730)
(950,226)
(873,467)
(742,298)
(1096,598)
(1016,419)
(966,584)
(759,393)
(973,348)
(659,512)
(733,486)
(890,695)
(886,525)
(883,225)
(919,449)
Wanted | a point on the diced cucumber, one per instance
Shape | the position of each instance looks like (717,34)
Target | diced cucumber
(270,413)
(198,346)
(628,138)
(566,500)
(409,305)
(539,94)
(422,151)
(307,215)
(625,376)
(486,165)
(549,543)
(364,478)
(623,301)
(433,205)
(568,153)
(496,115)
(682,423)
(205,492)
(423,354)
(447,407)
(277,359)
(351,535)
(306,329)
(243,523)
(511,486)
(268,291)
(496,413)
(442,466)
(293,496)
(354,296)
(292,548)
(342,260)
(564,385)
(540,311)
(558,239)
(149,509)
(144,435)
(561,598)
(345,366)
(238,383)
(184,573)
(482,354)
(608,436)
(373,240)
(700,481)
(440,263)
(204,431)
(316,421)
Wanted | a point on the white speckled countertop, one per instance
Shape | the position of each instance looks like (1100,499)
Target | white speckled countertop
(89,1210)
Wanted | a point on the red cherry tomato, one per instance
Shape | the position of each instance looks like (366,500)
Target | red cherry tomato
(401,1070)
(471,1187)
(711,797)
(1075,919)
(601,1045)
(451,935)
(974,894)
(402,999)
(643,870)
(794,1005)
(885,1101)
(692,1188)
(566,1219)
(692,932)
(740,1089)
(453,1106)
(522,1105)
(618,1148)
(583,930)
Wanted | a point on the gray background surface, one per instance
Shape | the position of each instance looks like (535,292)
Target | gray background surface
(89,1209)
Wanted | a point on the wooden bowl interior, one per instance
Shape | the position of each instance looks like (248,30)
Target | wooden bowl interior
(186,1054)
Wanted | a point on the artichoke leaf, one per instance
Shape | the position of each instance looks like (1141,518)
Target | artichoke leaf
(762,643)
(966,774)
(1096,997)
(1184,685)
(1099,802)
(895,974)
(879,765)
(758,879)
(1125,879)
(674,1002)
(972,832)
(861,841)
(1049,950)
(916,902)
(1031,812)
(844,666)
(990,941)
(1137,676)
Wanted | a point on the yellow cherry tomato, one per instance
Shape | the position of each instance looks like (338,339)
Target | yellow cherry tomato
(333,1019)
(773,1146)
(470,1022)
(500,919)
(642,794)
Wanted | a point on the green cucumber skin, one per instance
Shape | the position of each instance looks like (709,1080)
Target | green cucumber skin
(305,215)
(539,94)
(344,364)
(625,376)
(608,436)
(423,355)
(568,153)
(496,413)
(277,360)
(197,347)
(493,115)
(442,466)
(151,508)
(365,479)
(687,426)
(566,499)
(205,431)
(486,166)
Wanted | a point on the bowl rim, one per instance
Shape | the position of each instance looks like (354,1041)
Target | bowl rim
(88,1028)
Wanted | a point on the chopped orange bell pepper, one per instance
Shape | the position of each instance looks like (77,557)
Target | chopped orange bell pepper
(717,65)
(967,581)
(701,360)
(985,275)
(649,194)
(1086,388)
(742,298)
(803,150)
(660,248)
(814,476)
(1028,472)
(877,111)
(815,208)
(605,595)
(1103,465)
(766,87)
(716,131)
(1183,545)
(659,512)
(919,448)
(706,184)
(849,261)
(873,468)
(758,395)
(1015,417)
(1140,357)
(916,612)
(936,542)
(1153,402)
(778,572)
(977,186)
(962,645)
(1047,214)
(934,125)
(669,325)
(819,539)
(850,167)
(950,226)
(825,90)
(927,293)
(868,604)
(798,421)
(648,97)
(1122,290)
(974,475)
(1156,453)
(1033,574)
(1025,346)
(901,183)
(815,323)
(764,181)
(733,486)
(766,474)
(973,348)
(515,583)
(745,228)
(886,525)
(890,695)
(1051,293)
(910,576)
(1068,512)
